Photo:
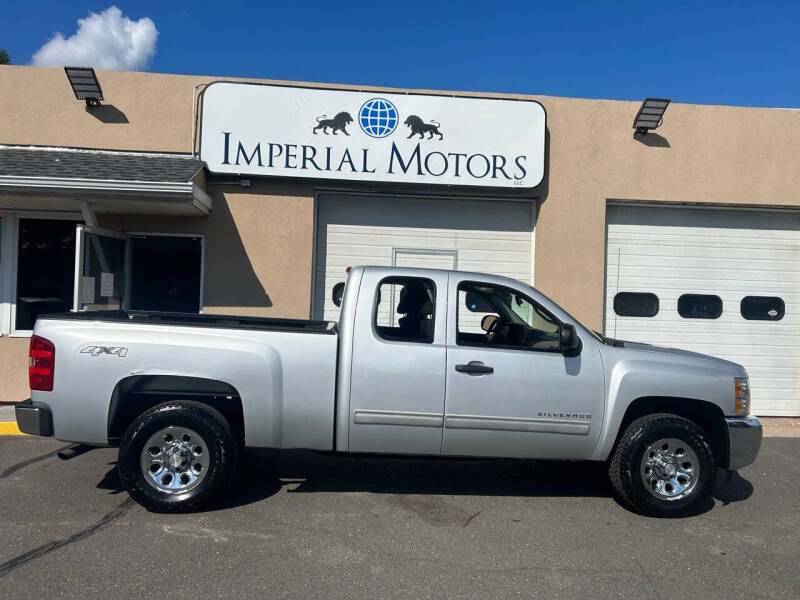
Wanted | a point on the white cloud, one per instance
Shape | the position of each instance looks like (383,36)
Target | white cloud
(108,40)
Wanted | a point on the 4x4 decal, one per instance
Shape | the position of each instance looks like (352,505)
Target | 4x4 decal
(120,351)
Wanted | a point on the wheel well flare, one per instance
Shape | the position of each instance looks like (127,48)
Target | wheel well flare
(134,395)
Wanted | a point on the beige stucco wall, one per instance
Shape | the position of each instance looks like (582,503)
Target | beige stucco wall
(257,247)
(259,240)
(14,369)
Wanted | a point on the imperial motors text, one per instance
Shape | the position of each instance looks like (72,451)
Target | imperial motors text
(414,161)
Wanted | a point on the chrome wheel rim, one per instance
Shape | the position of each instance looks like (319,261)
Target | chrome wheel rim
(174,460)
(670,469)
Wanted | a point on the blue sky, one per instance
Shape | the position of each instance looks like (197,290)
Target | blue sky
(713,52)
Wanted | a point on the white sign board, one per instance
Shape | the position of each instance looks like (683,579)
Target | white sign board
(249,129)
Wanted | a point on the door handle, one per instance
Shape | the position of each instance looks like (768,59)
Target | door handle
(475,367)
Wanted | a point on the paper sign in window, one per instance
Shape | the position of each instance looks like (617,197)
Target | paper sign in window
(106,284)
(87,290)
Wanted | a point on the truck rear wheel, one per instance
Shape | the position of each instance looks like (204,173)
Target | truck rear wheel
(177,456)
(663,466)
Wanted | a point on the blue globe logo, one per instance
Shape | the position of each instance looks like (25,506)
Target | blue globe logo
(378,117)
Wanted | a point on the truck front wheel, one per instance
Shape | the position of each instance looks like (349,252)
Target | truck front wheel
(177,456)
(663,466)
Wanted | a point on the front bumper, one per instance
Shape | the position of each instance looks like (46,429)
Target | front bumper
(34,418)
(744,441)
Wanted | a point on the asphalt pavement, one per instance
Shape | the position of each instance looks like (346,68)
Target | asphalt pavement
(316,526)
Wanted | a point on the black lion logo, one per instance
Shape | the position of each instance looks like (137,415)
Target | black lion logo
(337,123)
(420,128)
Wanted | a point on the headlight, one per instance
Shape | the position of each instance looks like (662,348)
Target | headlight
(742,391)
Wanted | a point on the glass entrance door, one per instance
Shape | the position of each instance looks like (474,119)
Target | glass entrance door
(101,258)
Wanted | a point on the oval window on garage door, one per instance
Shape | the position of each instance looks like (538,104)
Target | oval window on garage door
(699,306)
(762,308)
(636,304)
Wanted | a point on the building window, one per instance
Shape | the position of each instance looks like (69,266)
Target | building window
(166,273)
(699,306)
(762,308)
(404,309)
(636,304)
(45,269)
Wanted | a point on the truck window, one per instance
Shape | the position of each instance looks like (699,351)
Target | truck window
(491,315)
(404,309)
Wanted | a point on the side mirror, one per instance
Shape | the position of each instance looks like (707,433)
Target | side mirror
(569,341)
(337,293)
(488,322)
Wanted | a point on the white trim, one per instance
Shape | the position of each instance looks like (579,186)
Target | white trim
(202,254)
(97,185)
(186,155)
(699,205)
(202,199)
(87,210)
(77,273)
(163,191)
(6,282)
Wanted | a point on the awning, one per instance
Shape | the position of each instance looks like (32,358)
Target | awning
(62,179)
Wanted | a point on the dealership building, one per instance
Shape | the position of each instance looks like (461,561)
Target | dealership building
(252,197)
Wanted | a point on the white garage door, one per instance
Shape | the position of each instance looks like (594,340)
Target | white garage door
(734,261)
(488,236)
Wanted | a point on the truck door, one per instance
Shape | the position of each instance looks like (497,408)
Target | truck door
(510,391)
(398,363)
(101,259)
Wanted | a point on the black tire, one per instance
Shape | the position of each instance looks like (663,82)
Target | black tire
(217,436)
(625,468)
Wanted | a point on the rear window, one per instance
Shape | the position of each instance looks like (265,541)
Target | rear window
(699,306)
(636,304)
(762,308)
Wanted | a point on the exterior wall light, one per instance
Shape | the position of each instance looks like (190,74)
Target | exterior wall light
(650,115)
(85,84)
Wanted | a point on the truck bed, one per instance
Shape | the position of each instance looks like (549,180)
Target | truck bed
(285,381)
(198,320)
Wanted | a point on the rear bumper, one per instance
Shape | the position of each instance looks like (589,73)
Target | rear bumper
(744,440)
(34,418)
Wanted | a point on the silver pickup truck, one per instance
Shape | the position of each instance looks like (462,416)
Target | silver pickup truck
(421,362)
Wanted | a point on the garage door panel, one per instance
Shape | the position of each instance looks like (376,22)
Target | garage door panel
(486,236)
(702,275)
(709,262)
(778,254)
(728,253)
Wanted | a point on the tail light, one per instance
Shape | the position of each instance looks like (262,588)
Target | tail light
(41,364)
